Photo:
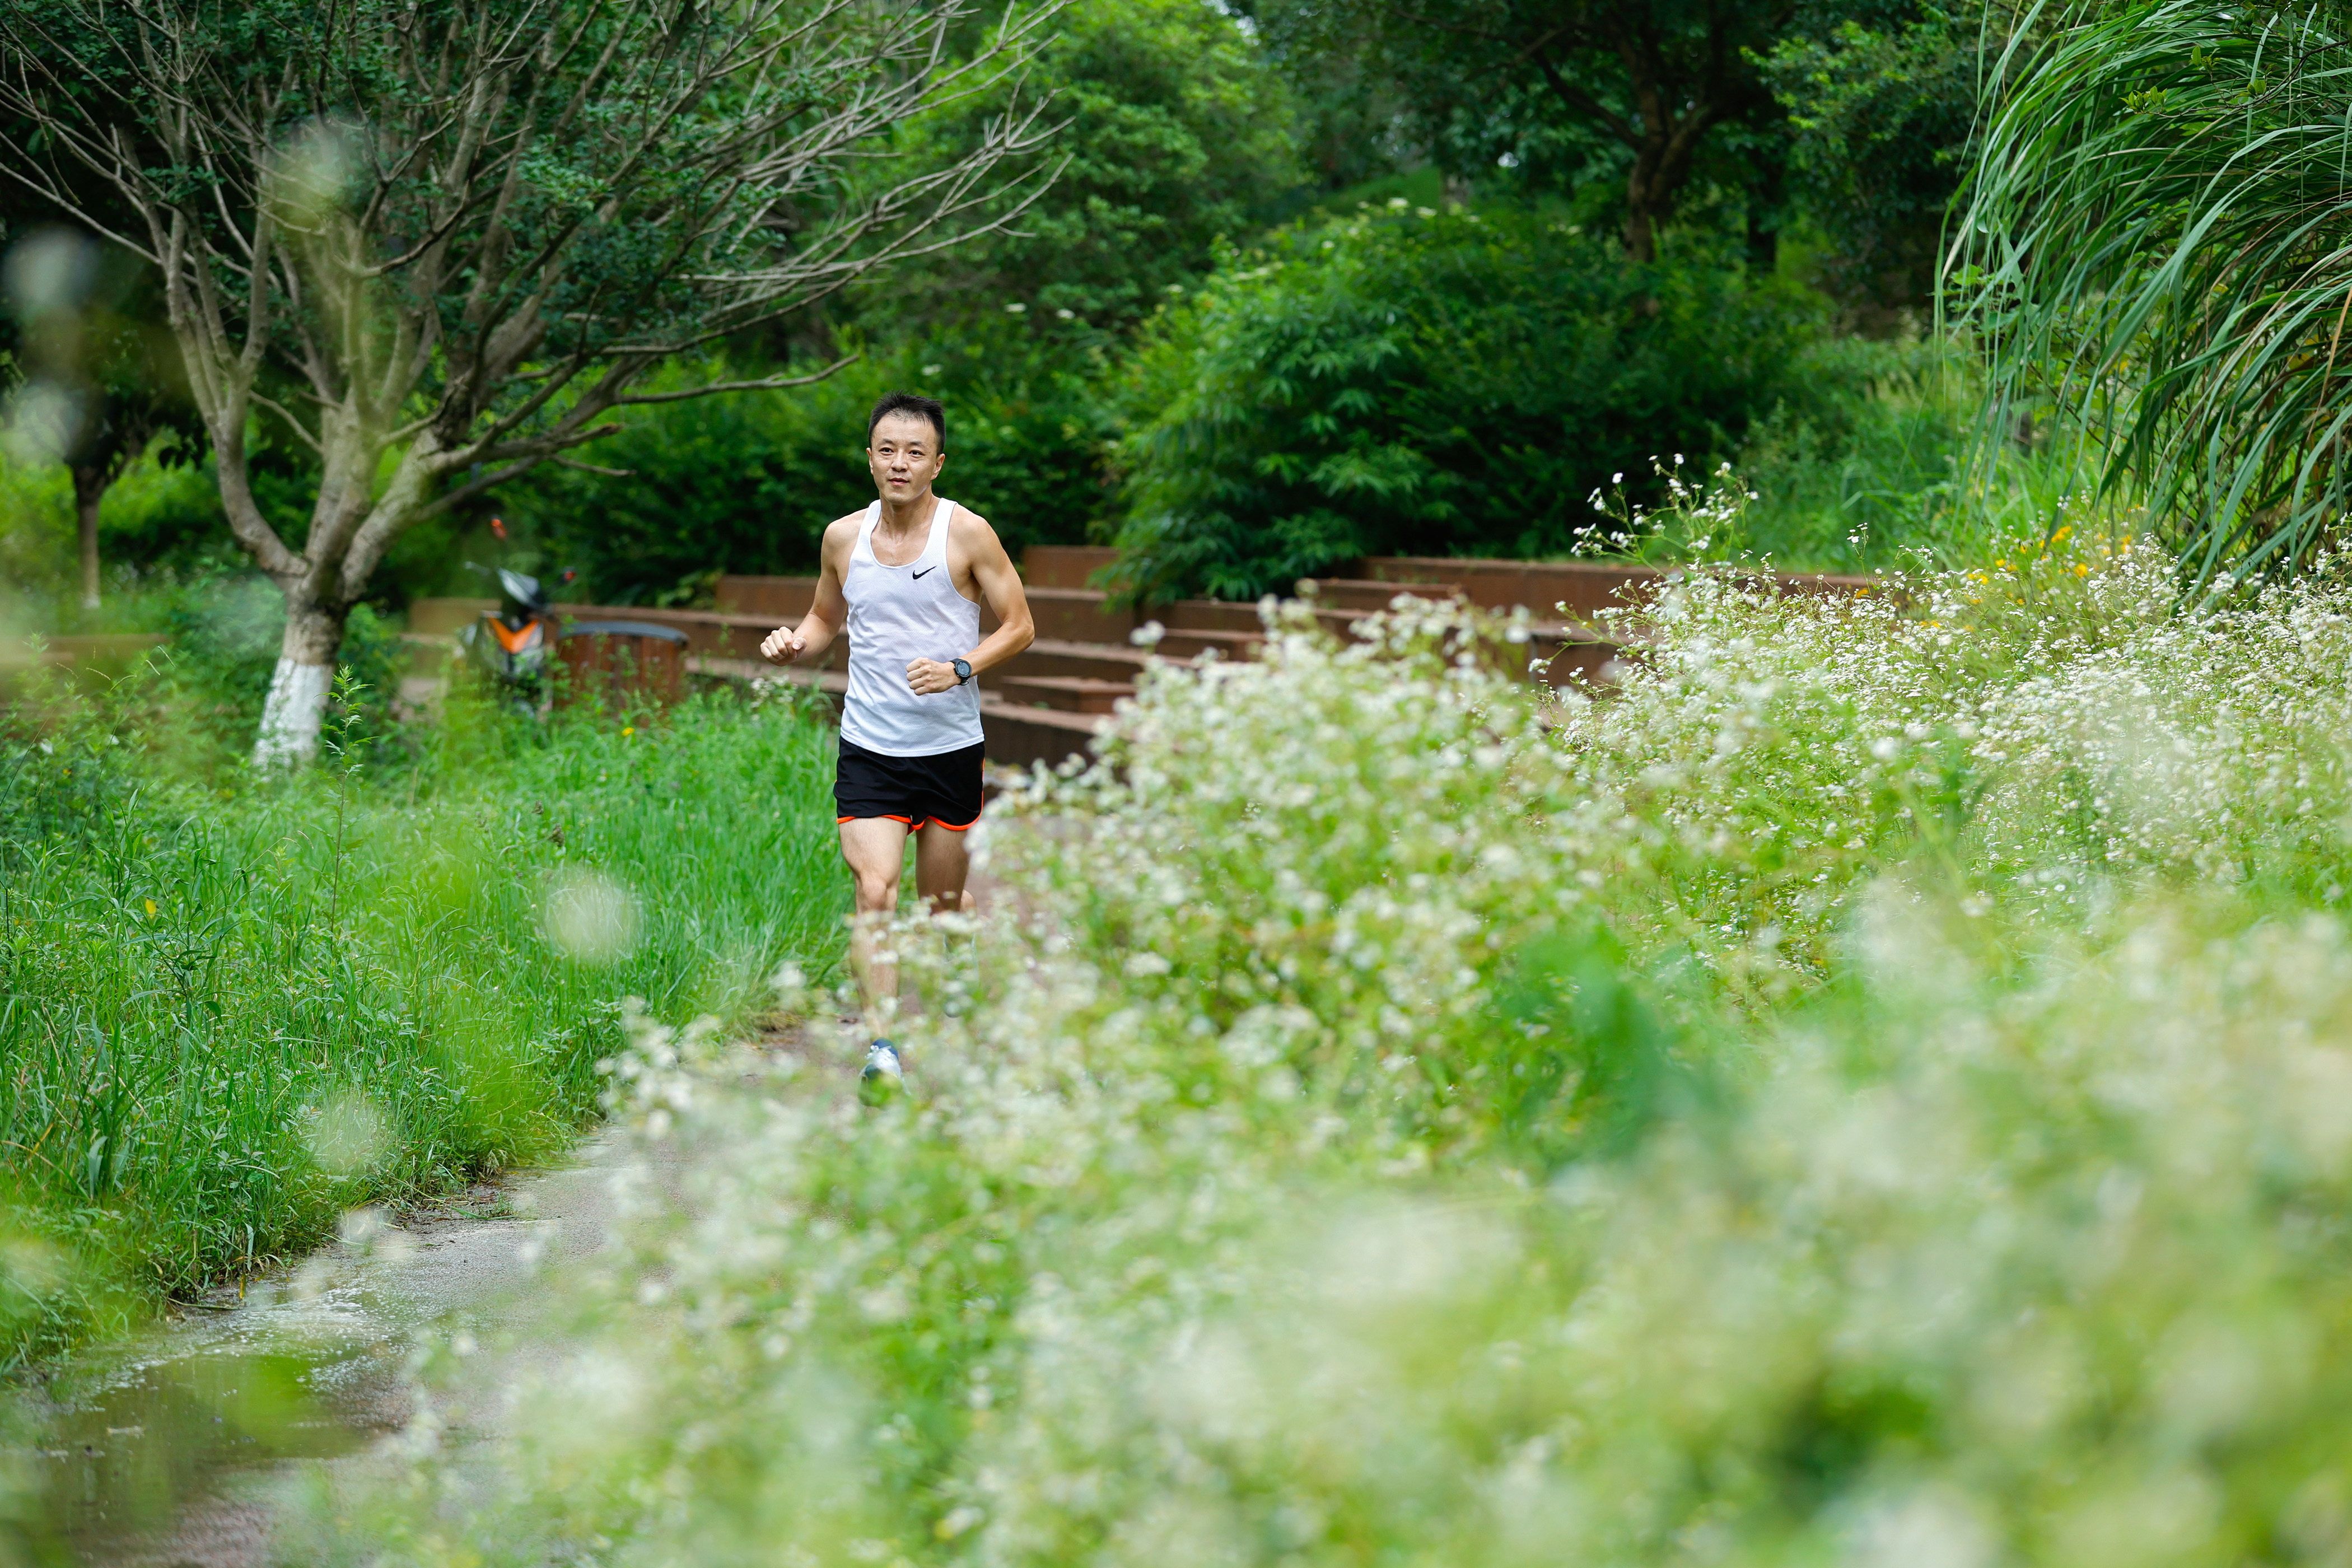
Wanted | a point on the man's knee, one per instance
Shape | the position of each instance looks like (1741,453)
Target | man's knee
(876,894)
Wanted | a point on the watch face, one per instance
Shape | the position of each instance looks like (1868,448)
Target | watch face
(963,670)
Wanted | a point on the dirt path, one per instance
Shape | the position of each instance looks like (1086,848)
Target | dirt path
(166,1453)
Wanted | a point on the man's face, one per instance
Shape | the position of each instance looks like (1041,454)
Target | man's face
(905,456)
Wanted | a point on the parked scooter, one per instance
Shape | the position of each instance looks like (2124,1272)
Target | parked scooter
(512,644)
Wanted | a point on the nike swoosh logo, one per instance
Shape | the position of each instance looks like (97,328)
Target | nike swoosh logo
(919,575)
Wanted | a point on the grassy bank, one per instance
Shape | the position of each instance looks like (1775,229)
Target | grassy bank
(233,1009)
(1872,1092)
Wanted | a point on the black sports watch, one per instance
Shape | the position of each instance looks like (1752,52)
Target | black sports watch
(962,669)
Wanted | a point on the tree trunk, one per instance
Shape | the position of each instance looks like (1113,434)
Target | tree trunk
(1641,236)
(90,488)
(1648,199)
(298,690)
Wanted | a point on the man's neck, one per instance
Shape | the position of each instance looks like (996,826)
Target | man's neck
(906,516)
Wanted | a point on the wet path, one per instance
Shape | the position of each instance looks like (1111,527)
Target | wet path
(164,1452)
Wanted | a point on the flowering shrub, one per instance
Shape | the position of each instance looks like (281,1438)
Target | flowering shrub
(1878,1086)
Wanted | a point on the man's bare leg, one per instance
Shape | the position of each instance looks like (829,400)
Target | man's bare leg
(875,849)
(942,864)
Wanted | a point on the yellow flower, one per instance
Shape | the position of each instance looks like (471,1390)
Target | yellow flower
(2081,569)
(627,730)
(150,906)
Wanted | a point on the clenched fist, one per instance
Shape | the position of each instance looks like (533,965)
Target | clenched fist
(929,677)
(784,645)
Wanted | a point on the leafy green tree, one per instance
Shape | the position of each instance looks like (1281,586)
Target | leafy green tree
(1354,125)
(2156,251)
(1179,133)
(103,377)
(464,232)
(1428,384)
(1881,103)
(1637,86)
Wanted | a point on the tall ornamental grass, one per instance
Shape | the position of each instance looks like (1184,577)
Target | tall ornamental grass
(1878,1088)
(227,1014)
(2154,250)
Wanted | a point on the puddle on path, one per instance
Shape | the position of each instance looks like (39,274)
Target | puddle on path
(128,1448)
(164,1452)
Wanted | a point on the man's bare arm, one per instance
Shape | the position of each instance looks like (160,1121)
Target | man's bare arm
(826,616)
(1000,586)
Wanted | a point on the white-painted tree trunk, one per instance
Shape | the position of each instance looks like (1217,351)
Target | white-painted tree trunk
(90,488)
(291,719)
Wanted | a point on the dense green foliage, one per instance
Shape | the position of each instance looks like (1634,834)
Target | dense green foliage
(1179,134)
(1652,101)
(1842,127)
(1881,106)
(230,1016)
(1428,384)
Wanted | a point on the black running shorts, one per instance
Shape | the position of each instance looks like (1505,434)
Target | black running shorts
(944,788)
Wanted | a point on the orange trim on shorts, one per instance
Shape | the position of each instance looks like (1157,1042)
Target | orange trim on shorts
(886,816)
(955,826)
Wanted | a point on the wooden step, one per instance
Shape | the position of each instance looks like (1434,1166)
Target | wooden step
(1363,594)
(1582,589)
(1071,693)
(1015,733)
(1234,616)
(1577,655)
(833,683)
(1210,615)
(78,650)
(786,598)
(1579,589)
(1073,614)
(1064,565)
(1078,615)
(722,633)
(1020,735)
(1050,655)
(725,633)
(1184,644)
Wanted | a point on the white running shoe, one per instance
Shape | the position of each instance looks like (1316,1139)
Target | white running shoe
(882,1076)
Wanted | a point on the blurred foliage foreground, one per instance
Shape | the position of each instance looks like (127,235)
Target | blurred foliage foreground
(1879,1090)
(230,1011)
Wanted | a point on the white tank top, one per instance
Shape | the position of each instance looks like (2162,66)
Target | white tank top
(902,613)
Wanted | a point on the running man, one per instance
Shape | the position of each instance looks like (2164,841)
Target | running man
(906,578)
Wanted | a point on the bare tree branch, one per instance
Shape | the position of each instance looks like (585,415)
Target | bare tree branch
(771,383)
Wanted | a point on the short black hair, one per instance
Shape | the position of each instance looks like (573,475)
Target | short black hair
(910,403)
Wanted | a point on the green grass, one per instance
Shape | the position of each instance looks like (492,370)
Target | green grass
(1871,470)
(227,1014)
